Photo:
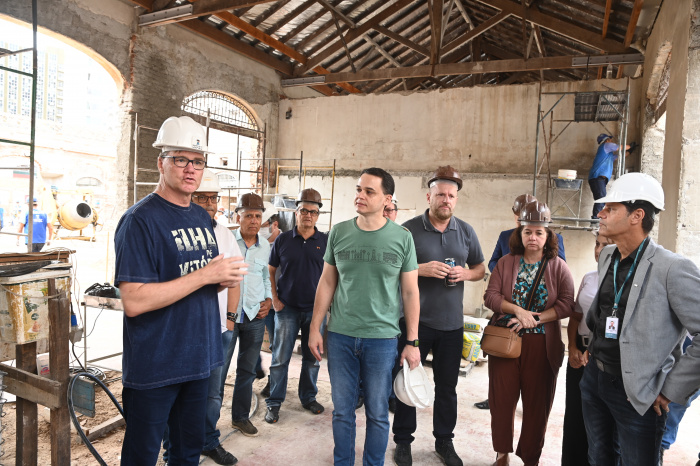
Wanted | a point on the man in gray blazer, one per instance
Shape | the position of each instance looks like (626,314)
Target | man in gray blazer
(647,297)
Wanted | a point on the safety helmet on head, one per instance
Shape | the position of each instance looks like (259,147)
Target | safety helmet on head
(181,133)
(210,182)
(394,200)
(250,201)
(309,195)
(269,211)
(535,213)
(602,137)
(632,187)
(446,173)
(521,201)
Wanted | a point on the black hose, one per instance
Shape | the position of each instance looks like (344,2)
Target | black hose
(73,417)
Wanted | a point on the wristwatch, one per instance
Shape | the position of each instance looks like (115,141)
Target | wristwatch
(232,316)
(412,343)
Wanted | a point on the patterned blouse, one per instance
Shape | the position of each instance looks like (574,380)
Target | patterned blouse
(526,275)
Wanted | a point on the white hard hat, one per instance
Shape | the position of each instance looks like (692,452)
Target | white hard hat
(632,187)
(413,387)
(181,133)
(270,210)
(210,182)
(394,200)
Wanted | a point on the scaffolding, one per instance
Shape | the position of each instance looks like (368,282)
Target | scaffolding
(31,143)
(589,107)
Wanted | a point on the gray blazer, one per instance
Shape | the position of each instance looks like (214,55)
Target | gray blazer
(663,302)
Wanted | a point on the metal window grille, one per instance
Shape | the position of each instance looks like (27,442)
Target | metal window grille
(221,107)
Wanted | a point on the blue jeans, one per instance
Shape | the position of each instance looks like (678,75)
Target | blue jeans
(349,360)
(606,411)
(676,413)
(250,333)
(179,407)
(599,188)
(215,398)
(288,321)
(270,325)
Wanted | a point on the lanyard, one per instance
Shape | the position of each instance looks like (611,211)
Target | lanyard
(618,294)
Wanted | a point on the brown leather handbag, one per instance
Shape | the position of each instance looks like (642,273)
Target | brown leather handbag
(500,341)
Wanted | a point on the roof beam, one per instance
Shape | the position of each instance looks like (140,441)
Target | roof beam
(192,10)
(354,34)
(634,18)
(559,26)
(402,40)
(480,29)
(436,29)
(446,69)
(606,19)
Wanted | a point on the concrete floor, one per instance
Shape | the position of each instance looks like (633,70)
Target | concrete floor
(303,438)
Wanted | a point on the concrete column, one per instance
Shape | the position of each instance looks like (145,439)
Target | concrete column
(681,118)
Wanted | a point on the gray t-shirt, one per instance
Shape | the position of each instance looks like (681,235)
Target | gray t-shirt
(440,306)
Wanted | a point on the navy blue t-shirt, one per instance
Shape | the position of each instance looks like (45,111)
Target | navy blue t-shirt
(300,263)
(157,241)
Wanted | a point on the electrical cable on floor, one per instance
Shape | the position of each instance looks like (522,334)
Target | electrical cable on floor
(71,410)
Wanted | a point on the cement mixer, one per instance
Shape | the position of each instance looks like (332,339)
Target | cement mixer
(76,215)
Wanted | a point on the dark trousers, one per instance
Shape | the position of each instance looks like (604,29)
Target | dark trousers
(599,189)
(607,411)
(182,407)
(447,354)
(574,447)
(531,376)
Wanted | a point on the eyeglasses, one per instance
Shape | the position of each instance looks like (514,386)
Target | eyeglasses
(313,213)
(182,162)
(389,209)
(201,199)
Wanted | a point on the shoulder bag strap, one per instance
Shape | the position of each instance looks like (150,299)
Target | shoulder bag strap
(536,282)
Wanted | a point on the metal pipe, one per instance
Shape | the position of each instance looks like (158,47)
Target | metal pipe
(330,218)
(537,142)
(301,164)
(32,147)
(136,153)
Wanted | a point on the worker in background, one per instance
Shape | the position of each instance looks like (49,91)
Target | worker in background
(298,257)
(207,197)
(503,248)
(41,225)
(168,270)
(390,212)
(270,231)
(602,169)
(255,303)
(648,296)
(440,237)
(366,259)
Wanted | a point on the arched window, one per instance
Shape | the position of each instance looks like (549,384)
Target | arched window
(88,181)
(221,107)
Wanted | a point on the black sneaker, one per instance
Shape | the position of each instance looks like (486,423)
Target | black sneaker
(272,415)
(246,427)
(360,402)
(260,374)
(266,391)
(482,405)
(446,451)
(220,456)
(402,455)
(314,406)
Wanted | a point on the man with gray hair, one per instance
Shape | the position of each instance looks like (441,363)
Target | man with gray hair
(448,254)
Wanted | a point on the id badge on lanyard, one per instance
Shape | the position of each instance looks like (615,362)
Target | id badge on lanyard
(612,323)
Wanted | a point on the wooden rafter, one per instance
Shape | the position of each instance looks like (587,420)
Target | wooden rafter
(204,8)
(436,30)
(606,19)
(559,26)
(631,27)
(480,29)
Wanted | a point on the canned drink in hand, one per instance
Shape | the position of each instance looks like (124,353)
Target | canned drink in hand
(451,262)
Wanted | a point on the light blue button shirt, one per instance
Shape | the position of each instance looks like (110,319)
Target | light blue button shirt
(255,287)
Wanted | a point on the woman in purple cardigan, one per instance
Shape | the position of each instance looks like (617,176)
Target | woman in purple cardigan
(534,373)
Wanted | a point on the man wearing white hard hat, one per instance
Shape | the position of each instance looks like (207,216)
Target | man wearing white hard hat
(390,211)
(648,295)
(207,196)
(168,269)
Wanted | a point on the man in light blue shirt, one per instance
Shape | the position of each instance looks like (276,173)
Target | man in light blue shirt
(602,169)
(255,303)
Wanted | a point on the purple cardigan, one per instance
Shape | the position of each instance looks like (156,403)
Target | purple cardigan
(560,296)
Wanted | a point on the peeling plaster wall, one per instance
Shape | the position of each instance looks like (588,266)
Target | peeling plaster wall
(157,68)
(488,133)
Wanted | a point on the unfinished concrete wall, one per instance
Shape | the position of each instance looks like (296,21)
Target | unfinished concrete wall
(488,133)
(677,26)
(157,68)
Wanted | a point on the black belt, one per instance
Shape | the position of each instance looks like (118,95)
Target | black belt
(582,342)
(608,368)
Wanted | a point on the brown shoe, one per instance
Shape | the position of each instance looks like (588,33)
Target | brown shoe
(502,461)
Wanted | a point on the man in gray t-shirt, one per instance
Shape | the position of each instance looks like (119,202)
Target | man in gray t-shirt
(439,235)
